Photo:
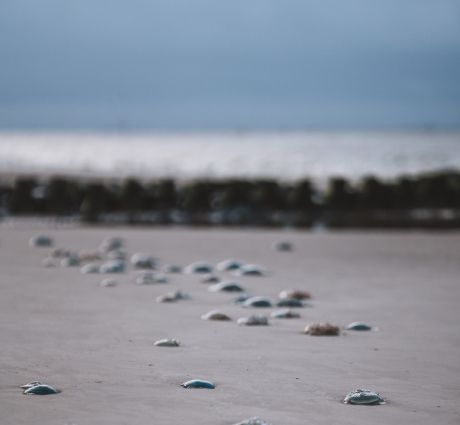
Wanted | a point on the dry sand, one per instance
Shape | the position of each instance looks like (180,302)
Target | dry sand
(96,344)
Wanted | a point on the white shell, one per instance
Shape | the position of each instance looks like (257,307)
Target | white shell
(90,268)
(250,270)
(143,261)
(253,321)
(230,264)
(167,342)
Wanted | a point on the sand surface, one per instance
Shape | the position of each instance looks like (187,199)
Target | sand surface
(96,344)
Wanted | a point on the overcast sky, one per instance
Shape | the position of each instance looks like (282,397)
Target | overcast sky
(214,64)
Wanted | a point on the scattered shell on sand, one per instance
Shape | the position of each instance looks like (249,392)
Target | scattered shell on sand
(199,267)
(41,241)
(167,342)
(230,264)
(296,294)
(255,320)
(322,329)
(110,244)
(253,421)
(210,278)
(41,389)
(108,283)
(70,261)
(283,246)
(250,270)
(86,255)
(228,286)
(61,252)
(147,278)
(90,268)
(358,326)
(116,254)
(172,268)
(368,397)
(143,261)
(216,315)
(198,383)
(171,297)
(285,314)
(113,266)
(290,302)
(258,302)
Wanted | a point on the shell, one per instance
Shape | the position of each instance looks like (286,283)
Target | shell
(290,302)
(168,342)
(113,266)
(322,329)
(90,268)
(116,254)
(171,297)
(210,278)
(110,244)
(285,314)
(108,283)
(296,294)
(368,397)
(253,421)
(71,261)
(41,389)
(85,255)
(258,302)
(30,385)
(230,264)
(358,326)
(253,321)
(41,241)
(198,383)
(172,268)
(283,246)
(215,315)
(250,270)
(228,286)
(199,267)
(241,299)
(143,261)
(147,278)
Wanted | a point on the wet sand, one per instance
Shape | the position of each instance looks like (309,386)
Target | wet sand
(96,344)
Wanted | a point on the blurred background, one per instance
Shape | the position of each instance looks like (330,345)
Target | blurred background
(253,112)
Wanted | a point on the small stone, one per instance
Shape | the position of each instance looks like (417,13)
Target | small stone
(198,383)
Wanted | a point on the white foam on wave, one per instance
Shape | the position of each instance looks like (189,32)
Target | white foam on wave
(219,155)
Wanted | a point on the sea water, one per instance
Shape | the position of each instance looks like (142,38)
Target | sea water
(282,155)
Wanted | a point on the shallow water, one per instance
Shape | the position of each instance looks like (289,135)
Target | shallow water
(187,155)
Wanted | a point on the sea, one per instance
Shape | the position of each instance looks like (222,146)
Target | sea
(285,156)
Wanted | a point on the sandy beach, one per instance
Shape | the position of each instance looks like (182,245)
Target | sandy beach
(96,344)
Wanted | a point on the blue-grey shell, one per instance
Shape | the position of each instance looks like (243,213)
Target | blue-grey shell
(257,302)
(113,266)
(143,261)
(226,287)
(230,264)
(250,270)
(41,389)
(368,397)
(358,326)
(200,267)
(290,302)
(41,241)
(285,314)
(198,383)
